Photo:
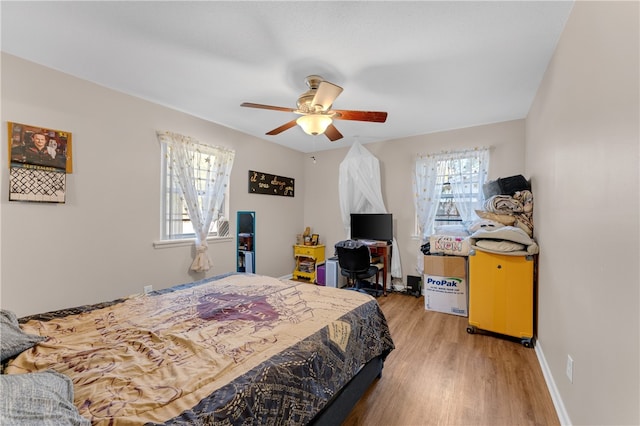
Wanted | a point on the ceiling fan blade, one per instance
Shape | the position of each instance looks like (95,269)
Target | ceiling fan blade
(282,128)
(261,106)
(332,133)
(326,94)
(375,116)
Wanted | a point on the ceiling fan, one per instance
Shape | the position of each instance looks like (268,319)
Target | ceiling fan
(314,105)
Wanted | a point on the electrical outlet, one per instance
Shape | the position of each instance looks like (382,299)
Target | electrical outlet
(148,289)
(570,368)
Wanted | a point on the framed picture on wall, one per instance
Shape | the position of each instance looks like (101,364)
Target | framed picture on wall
(39,147)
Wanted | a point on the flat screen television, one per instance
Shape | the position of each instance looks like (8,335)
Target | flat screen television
(372,226)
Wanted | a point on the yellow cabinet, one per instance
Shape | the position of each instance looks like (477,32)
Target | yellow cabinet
(307,260)
(501,294)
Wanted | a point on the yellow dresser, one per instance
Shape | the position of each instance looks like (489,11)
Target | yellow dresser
(501,294)
(307,260)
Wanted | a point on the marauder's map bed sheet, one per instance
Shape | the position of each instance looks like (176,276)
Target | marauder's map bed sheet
(234,350)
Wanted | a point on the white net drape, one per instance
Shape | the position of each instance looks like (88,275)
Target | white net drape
(203,203)
(360,191)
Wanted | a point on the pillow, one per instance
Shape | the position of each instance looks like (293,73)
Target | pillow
(484,224)
(12,339)
(44,399)
(500,245)
(509,233)
(457,246)
(452,230)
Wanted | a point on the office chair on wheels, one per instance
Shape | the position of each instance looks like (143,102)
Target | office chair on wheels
(354,259)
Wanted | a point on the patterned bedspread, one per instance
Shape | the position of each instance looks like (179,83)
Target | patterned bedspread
(241,349)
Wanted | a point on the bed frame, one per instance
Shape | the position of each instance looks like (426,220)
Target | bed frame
(343,402)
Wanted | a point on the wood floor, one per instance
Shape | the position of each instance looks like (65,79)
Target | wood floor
(440,375)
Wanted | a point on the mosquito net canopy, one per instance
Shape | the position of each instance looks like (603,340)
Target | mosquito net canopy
(360,191)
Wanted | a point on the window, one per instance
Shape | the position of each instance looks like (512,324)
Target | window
(176,221)
(466,170)
(448,188)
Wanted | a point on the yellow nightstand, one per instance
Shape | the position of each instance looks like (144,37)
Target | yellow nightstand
(307,260)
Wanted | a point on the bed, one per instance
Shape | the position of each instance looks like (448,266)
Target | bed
(233,349)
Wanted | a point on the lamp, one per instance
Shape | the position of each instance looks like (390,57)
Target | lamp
(314,124)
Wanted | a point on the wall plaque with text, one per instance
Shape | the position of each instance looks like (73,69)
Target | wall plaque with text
(264,183)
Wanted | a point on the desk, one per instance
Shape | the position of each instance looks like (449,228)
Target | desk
(382,249)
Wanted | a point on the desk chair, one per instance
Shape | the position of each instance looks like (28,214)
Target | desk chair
(354,259)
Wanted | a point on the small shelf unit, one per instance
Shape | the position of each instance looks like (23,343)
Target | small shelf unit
(308,258)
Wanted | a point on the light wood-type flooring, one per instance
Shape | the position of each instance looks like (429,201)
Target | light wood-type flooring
(439,374)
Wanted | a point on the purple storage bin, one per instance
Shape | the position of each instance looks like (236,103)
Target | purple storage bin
(321,274)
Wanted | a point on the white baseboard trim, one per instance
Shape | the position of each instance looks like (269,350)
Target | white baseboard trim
(561,411)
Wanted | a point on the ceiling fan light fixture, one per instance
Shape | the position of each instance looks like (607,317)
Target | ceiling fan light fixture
(316,115)
(314,124)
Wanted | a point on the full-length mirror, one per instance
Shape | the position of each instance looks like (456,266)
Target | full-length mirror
(245,253)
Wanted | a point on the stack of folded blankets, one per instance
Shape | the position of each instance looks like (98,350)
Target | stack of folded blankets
(514,210)
(506,221)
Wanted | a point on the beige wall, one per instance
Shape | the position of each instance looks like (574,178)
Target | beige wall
(582,156)
(99,245)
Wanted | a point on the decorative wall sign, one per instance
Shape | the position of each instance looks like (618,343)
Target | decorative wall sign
(39,146)
(264,183)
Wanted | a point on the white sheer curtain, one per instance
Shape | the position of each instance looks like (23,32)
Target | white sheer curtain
(203,201)
(467,173)
(426,193)
(360,191)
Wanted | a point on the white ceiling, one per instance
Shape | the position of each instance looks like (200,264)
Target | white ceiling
(431,65)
